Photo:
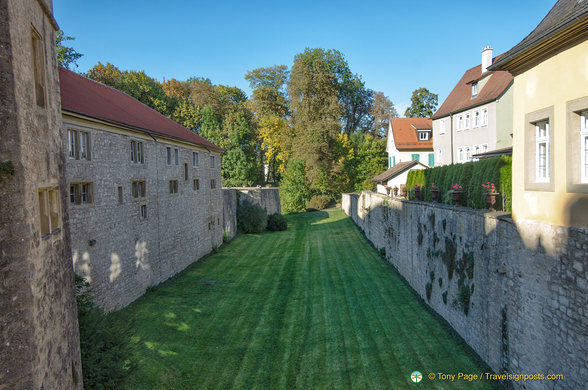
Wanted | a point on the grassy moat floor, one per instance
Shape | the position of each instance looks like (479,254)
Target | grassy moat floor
(313,307)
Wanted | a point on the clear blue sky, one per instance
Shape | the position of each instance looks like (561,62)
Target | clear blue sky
(396,46)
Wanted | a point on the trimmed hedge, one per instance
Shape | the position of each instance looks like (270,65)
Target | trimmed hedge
(276,222)
(470,176)
(251,218)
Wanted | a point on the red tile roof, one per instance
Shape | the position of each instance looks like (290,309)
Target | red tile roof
(404,131)
(460,98)
(84,96)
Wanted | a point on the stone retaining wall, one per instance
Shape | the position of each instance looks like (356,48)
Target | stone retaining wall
(516,292)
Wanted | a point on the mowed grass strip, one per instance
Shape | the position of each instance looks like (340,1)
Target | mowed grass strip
(309,308)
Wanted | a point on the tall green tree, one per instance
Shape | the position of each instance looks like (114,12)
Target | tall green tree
(382,110)
(424,104)
(66,56)
(294,188)
(316,114)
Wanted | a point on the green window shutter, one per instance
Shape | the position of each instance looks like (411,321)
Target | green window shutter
(389,162)
(431,159)
(393,160)
(415,157)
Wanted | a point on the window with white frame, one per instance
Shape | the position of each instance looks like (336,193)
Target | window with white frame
(143,210)
(477,119)
(137,152)
(442,126)
(194,159)
(80,193)
(460,122)
(173,186)
(484,148)
(468,154)
(460,154)
(212,162)
(476,149)
(584,146)
(439,156)
(423,135)
(78,145)
(484,116)
(169,155)
(177,156)
(542,151)
(467,120)
(474,89)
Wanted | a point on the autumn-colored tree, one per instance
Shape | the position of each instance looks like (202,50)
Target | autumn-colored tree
(424,104)
(106,74)
(382,110)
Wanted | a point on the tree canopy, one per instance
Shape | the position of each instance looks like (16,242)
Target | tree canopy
(66,56)
(424,104)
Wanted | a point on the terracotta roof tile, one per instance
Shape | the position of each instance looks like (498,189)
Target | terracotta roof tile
(460,98)
(84,96)
(396,170)
(404,131)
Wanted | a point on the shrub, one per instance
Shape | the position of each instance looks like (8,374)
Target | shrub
(276,222)
(471,176)
(105,343)
(319,202)
(251,218)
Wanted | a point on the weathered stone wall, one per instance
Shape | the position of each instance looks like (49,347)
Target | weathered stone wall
(229,212)
(118,251)
(523,285)
(267,198)
(39,341)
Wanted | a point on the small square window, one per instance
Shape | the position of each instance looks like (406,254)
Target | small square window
(78,145)
(81,193)
(423,136)
(474,89)
(138,189)
(173,186)
(137,152)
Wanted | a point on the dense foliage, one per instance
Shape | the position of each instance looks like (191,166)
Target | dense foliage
(276,222)
(423,104)
(251,218)
(105,343)
(470,176)
(294,192)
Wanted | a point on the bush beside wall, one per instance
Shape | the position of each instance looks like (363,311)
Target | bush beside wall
(470,176)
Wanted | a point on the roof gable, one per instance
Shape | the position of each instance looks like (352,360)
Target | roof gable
(461,98)
(404,131)
(90,98)
(396,170)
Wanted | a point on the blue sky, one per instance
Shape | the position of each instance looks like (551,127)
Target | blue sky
(396,46)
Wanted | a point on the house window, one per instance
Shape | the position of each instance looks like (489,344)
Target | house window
(474,89)
(467,121)
(439,156)
(212,184)
(137,152)
(484,148)
(138,189)
(460,155)
(542,151)
(120,194)
(415,157)
(78,145)
(477,119)
(80,193)
(212,161)
(442,127)
(484,117)
(177,156)
(186,171)
(460,122)
(169,155)
(173,186)
(431,159)
(584,146)
(423,135)
(194,159)
(196,185)
(38,68)
(476,149)
(143,210)
(468,154)
(49,210)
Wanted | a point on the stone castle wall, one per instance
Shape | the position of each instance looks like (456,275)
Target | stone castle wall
(39,341)
(523,285)
(114,247)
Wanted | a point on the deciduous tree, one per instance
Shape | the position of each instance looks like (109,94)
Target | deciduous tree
(66,56)
(424,104)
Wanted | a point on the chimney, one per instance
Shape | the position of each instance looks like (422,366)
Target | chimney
(486,58)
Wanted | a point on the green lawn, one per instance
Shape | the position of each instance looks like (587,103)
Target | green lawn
(310,308)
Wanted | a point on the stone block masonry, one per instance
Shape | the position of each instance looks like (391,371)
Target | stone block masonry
(516,292)
(266,198)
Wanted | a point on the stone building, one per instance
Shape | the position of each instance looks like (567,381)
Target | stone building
(144,192)
(39,342)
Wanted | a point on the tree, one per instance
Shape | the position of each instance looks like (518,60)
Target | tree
(424,104)
(106,74)
(316,114)
(382,110)
(66,56)
(294,192)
